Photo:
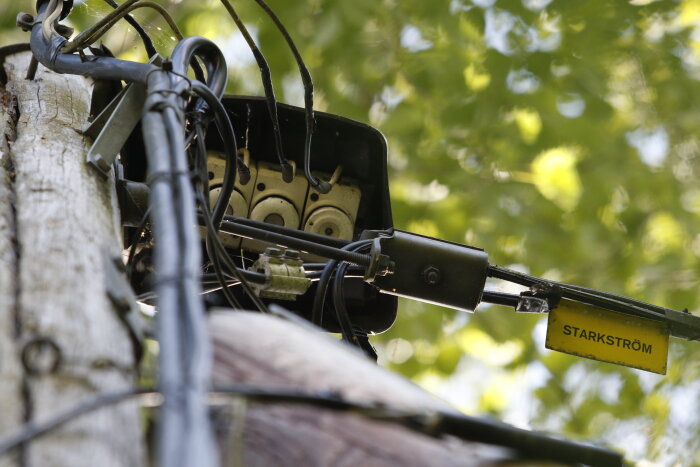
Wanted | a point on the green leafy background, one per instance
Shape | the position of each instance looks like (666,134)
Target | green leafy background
(559,135)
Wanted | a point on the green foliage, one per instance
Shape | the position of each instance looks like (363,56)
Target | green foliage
(558,135)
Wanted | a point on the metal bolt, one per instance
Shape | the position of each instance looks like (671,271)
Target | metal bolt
(273,251)
(293,254)
(431,275)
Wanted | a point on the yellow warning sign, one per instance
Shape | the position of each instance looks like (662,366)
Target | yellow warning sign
(591,332)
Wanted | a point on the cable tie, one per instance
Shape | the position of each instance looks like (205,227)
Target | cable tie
(161,105)
(56,46)
(175,279)
(168,176)
(187,79)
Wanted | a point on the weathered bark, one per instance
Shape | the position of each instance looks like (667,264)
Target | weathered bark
(262,350)
(63,216)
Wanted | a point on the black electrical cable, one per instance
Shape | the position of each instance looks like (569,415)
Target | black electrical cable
(287,169)
(48,53)
(341,254)
(219,273)
(318,184)
(169,279)
(134,242)
(301,234)
(341,311)
(322,287)
(94,34)
(531,445)
(201,156)
(220,252)
(107,18)
(500,298)
(33,430)
(592,297)
(184,431)
(213,284)
(211,56)
(233,163)
(145,38)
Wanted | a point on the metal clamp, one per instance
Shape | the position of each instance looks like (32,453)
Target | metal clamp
(539,299)
(284,273)
(119,120)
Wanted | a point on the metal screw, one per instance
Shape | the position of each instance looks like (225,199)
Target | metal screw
(273,252)
(431,275)
(293,254)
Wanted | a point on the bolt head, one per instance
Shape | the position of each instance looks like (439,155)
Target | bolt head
(273,251)
(293,254)
(432,275)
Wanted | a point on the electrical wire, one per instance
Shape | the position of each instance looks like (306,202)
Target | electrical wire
(531,445)
(318,184)
(219,251)
(233,162)
(185,435)
(322,287)
(145,38)
(135,241)
(99,25)
(48,52)
(289,232)
(200,156)
(211,283)
(270,236)
(341,311)
(266,76)
(92,35)
(592,297)
(214,247)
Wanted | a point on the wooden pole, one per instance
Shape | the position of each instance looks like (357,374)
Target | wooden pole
(265,351)
(58,225)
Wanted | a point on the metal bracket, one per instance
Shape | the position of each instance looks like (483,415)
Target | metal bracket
(119,119)
(124,300)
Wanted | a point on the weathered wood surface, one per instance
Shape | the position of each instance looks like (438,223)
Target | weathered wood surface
(64,218)
(10,368)
(263,350)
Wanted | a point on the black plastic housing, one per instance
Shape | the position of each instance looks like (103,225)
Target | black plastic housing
(433,270)
(361,150)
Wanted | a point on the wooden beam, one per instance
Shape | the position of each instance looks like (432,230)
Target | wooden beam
(263,350)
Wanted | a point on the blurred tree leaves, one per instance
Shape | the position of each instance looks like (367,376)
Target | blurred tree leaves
(560,136)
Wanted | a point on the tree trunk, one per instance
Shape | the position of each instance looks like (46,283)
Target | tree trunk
(58,226)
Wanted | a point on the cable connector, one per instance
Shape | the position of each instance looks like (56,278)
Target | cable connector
(284,274)
(288,172)
(321,186)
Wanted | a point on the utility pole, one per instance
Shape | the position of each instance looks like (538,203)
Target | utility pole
(61,340)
